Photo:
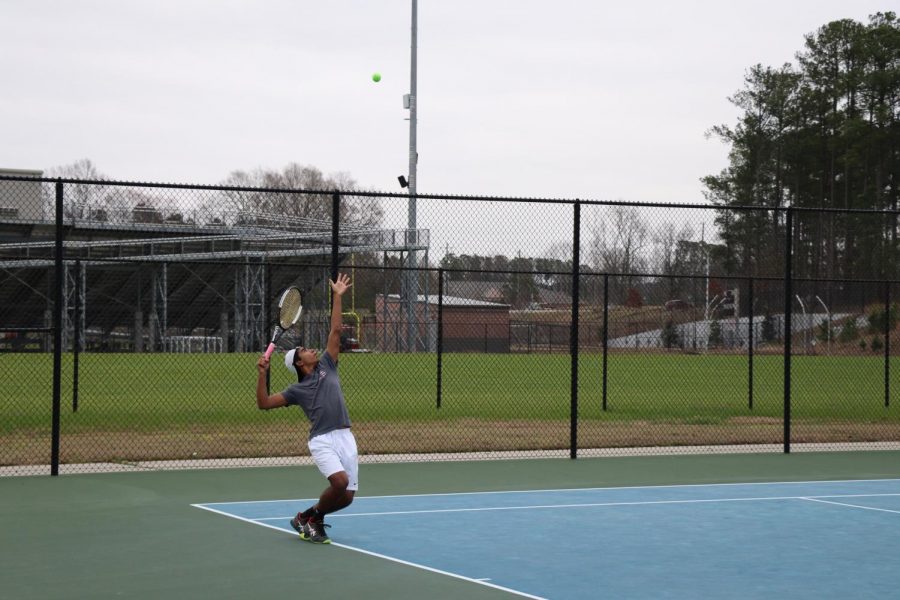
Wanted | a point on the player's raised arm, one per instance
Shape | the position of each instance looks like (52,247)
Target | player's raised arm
(334,337)
(263,400)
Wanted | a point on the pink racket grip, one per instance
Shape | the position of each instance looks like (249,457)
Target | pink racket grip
(270,350)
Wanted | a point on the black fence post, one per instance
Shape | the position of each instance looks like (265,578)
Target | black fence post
(887,344)
(605,332)
(335,239)
(335,233)
(384,305)
(573,333)
(788,325)
(750,344)
(57,331)
(77,335)
(267,316)
(440,336)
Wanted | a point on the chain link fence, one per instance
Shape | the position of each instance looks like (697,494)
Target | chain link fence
(131,317)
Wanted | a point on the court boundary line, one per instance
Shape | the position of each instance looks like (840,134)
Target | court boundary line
(587,489)
(381,556)
(440,572)
(594,505)
(815,499)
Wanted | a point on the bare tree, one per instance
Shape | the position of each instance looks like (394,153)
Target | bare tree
(300,211)
(618,244)
(80,201)
(666,257)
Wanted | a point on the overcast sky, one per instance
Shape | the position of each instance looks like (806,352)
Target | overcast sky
(570,98)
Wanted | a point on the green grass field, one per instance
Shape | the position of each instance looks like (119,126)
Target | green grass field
(157,391)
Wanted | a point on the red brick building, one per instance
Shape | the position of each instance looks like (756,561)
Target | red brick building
(468,325)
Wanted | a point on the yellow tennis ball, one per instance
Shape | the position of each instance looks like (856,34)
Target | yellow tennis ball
(376,77)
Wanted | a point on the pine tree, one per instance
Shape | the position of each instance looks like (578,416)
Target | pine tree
(670,336)
(768,327)
(715,334)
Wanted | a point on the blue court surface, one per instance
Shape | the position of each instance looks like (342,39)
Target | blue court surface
(836,539)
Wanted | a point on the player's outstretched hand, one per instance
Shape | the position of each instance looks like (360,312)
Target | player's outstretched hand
(262,365)
(341,285)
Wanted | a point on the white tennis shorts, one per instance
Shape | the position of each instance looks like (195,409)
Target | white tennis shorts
(334,452)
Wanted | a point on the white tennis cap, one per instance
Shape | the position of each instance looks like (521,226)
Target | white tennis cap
(289,360)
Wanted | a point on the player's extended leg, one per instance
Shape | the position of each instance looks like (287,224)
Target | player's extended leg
(336,496)
(310,524)
(336,457)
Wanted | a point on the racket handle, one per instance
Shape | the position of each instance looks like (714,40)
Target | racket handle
(270,350)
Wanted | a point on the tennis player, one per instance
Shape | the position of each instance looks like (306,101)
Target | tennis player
(332,445)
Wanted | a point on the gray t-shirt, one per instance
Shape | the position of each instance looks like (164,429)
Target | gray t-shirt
(319,395)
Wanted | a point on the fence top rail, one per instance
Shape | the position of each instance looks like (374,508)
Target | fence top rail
(633,274)
(251,235)
(458,197)
(221,258)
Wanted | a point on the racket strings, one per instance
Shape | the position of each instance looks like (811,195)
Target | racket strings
(290,308)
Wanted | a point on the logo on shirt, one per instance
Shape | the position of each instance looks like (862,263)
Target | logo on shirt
(321,374)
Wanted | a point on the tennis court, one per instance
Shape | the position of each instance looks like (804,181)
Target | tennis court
(804,525)
(780,539)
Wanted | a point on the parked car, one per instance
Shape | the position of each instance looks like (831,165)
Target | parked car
(348,341)
(678,304)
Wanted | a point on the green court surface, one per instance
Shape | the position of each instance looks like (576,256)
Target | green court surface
(136,535)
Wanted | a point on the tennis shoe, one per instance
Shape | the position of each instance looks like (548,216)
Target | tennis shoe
(314,531)
(298,523)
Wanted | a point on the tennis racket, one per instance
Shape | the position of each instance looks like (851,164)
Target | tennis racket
(289,309)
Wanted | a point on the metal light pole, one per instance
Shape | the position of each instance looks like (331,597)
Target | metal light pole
(412,282)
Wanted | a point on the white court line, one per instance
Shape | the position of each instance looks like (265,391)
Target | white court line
(449,574)
(584,505)
(852,505)
(589,489)
(244,519)
(483,582)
